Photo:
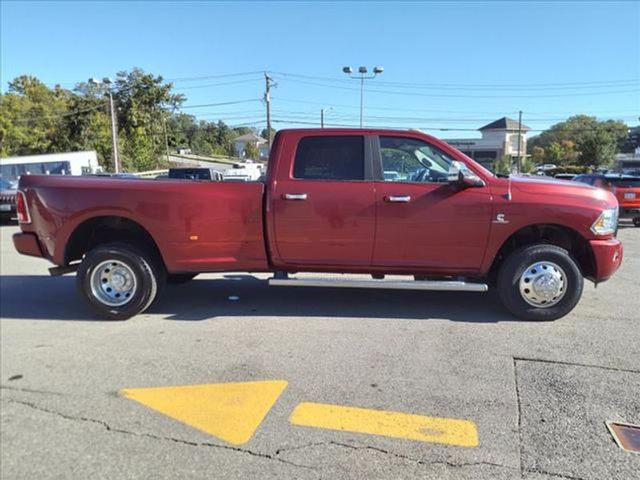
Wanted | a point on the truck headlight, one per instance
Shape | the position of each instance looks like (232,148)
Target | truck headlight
(606,223)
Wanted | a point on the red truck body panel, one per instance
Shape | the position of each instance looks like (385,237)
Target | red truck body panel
(342,226)
(197,226)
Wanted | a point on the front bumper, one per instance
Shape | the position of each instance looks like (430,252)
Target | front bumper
(27,244)
(608,257)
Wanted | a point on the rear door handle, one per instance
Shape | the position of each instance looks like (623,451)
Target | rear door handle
(294,196)
(398,198)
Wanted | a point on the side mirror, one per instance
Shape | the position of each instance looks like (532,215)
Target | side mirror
(460,176)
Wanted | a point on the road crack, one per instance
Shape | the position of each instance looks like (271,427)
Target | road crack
(574,364)
(29,390)
(394,454)
(111,429)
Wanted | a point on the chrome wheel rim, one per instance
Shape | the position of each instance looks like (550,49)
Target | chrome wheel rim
(543,284)
(113,283)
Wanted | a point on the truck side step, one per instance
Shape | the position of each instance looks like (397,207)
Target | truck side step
(341,281)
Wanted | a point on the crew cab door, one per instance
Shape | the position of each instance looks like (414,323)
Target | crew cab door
(322,205)
(423,222)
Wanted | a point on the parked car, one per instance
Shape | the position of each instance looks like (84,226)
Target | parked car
(326,207)
(7,200)
(626,188)
(247,171)
(564,176)
(196,173)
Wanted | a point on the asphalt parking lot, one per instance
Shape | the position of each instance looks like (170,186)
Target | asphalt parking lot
(534,397)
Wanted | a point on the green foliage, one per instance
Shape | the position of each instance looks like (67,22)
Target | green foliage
(527,166)
(31,117)
(37,119)
(581,139)
(265,133)
(503,165)
(251,151)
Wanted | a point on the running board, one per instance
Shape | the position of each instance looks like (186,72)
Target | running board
(437,285)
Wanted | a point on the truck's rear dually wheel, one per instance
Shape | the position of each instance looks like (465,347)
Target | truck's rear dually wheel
(540,282)
(118,281)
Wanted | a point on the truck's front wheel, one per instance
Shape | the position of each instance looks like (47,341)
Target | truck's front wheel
(118,281)
(540,282)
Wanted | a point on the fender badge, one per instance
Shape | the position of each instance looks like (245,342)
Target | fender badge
(500,219)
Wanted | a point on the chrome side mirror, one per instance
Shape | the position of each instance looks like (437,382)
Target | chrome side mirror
(460,175)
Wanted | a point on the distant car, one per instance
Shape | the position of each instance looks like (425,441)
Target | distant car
(196,173)
(626,188)
(162,176)
(247,171)
(564,176)
(7,200)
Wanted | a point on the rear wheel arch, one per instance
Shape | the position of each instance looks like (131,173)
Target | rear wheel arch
(551,234)
(97,231)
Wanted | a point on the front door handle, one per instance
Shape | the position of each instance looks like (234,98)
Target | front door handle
(294,196)
(398,198)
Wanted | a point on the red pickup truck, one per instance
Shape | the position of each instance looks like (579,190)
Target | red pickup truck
(370,202)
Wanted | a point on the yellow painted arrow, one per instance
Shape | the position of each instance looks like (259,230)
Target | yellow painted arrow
(452,431)
(230,411)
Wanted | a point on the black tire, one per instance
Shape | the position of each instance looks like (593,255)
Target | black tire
(178,278)
(636,221)
(148,274)
(513,269)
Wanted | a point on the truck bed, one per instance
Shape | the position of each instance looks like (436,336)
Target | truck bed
(197,226)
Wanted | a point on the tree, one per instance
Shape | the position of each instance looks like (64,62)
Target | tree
(538,155)
(31,117)
(251,151)
(581,139)
(265,133)
(141,102)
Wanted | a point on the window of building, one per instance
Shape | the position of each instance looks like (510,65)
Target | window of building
(330,158)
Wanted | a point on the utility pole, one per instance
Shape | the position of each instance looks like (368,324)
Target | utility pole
(166,140)
(267,98)
(114,135)
(519,141)
(114,129)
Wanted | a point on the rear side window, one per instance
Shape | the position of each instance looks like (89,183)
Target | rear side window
(330,158)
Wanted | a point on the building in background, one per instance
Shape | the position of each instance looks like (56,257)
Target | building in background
(69,163)
(499,138)
(261,144)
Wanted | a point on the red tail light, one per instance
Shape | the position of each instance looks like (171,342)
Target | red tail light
(22,211)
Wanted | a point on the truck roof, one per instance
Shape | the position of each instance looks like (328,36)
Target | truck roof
(358,131)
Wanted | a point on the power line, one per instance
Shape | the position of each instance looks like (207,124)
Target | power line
(479,86)
(62,115)
(235,102)
(220,84)
(443,95)
(210,77)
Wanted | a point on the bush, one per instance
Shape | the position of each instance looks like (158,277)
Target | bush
(573,169)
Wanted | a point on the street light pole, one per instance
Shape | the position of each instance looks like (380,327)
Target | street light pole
(361,98)
(114,130)
(322,115)
(114,135)
(362,72)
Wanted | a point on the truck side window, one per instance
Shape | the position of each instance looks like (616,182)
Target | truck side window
(411,160)
(330,158)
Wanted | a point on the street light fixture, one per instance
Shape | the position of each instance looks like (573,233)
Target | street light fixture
(322,110)
(114,136)
(362,72)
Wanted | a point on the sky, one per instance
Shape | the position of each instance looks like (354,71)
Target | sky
(449,67)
